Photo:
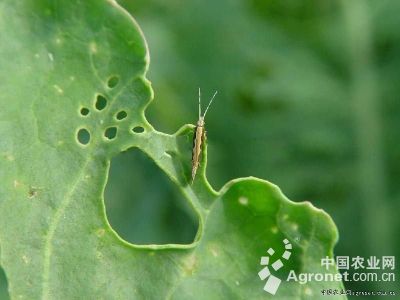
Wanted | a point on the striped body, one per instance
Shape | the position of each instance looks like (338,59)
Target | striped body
(198,138)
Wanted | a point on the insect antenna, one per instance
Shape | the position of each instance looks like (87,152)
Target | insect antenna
(199,103)
(216,92)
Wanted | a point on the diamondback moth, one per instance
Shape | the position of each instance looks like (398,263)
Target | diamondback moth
(199,136)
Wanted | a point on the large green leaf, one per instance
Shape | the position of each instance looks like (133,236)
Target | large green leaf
(72,65)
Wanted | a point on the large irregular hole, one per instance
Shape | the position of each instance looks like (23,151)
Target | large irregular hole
(144,206)
(111,133)
(101,102)
(83,136)
(112,82)
(121,115)
(3,286)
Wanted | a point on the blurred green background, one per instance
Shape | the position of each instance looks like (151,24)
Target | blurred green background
(308,99)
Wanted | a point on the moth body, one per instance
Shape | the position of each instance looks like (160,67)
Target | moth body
(199,138)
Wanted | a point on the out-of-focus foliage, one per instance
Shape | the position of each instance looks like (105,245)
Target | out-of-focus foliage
(318,80)
(3,286)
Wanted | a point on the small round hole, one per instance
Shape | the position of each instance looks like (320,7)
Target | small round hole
(122,115)
(84,111)
(112,82)
(138,129)
(83,136)
(101,102)
(110,133)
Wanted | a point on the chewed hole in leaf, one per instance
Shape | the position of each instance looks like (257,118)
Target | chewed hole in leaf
(138,129)
(112,81)
(101,102)
(144,206)
(83,136)
(84,111)
(121,115)
(111,133)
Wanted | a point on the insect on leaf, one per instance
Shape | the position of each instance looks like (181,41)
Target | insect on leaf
(67,69)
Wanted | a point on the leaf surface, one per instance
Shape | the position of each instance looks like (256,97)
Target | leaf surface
(69,69)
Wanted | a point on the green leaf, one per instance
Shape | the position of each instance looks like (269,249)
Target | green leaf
(71,71)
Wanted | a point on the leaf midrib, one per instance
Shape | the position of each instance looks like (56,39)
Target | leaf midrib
(54,222)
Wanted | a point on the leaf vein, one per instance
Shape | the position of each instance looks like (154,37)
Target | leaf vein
(52,229)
